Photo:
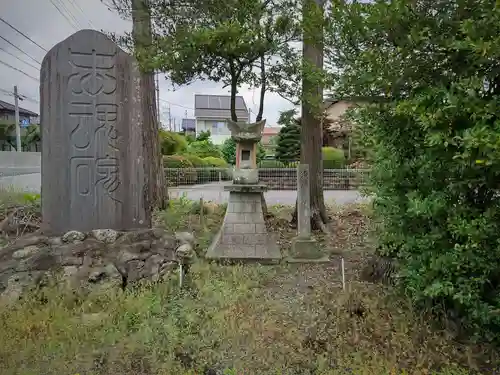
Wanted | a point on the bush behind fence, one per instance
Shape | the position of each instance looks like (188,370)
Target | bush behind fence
(274,178)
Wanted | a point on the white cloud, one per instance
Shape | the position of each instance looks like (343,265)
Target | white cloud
(40,20)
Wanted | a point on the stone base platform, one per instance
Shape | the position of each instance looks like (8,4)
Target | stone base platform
(243,235)
(306,250)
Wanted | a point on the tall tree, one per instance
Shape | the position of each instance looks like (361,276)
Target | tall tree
(157,195)
(140,42)
(312,106)
(288,142)
(232,42)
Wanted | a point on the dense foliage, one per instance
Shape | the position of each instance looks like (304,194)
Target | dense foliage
(172,143)
(229,151)
(435,143)
(232,43)
(333,158)
(288,142)
(204,149)
(204,135)
(215,162)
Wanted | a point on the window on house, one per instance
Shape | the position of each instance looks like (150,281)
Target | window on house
(219,128)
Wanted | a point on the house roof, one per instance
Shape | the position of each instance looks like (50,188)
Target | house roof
(218,102)
(218,107)
(4,106)
(271,131)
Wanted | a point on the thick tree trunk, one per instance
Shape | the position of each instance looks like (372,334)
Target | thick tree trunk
(312,104)
(155,194)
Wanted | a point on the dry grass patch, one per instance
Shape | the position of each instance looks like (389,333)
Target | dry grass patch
(244,319)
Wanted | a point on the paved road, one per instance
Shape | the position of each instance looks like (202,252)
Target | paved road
(210,192)
(27,181)
(215,192)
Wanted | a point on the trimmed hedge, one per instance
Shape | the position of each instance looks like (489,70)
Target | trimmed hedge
(333,158)
(269,163)
(186,176)
(214,162)
(203,176)
(172,143)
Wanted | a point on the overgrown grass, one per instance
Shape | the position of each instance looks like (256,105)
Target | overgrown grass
(16,209)
(244,319)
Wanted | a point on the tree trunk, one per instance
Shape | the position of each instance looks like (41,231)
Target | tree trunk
(234,91)
(155,192)
(263,88)
(312,104)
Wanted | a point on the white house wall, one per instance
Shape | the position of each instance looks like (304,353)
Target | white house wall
(206,124)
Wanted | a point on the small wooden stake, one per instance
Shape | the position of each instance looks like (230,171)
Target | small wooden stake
(180,275)
(343,274)
(202,214)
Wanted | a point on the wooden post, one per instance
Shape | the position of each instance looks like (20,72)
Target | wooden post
(202,214)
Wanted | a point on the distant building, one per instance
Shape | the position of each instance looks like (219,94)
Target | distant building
(268,136)
(8,114)
(29,135)
(340,126)
(188,125)
(211,113)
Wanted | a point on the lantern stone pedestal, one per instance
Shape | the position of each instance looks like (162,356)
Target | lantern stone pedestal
(243,235)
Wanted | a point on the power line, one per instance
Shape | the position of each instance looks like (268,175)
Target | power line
(19,49)
(64,15)
(24,61)
(23,34)
(19,70)
(7,91)
(70,14)
(82,12)
(22,96)
(176,105)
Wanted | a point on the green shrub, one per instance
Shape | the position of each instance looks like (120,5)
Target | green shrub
(179,170)
(172,143)
(333,158)
(434,147)
(218,163)
(215,162)
(196,161)
(269,163)
(200,165)
(204,149)
(228,150)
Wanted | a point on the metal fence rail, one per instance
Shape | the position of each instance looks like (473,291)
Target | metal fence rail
(274,178)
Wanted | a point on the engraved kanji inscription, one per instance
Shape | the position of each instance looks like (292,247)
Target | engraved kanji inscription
(93,118)
(93,169)
(92,73)
(108,175)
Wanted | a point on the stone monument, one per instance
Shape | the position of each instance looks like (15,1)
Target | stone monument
(92,146)
(243,235)
(304,248)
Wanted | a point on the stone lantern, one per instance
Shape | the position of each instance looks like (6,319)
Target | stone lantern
(243,235)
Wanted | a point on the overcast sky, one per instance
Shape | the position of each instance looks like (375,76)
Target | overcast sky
(47,22)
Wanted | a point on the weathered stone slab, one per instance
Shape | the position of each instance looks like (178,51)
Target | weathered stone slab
(92,145)
(304,247)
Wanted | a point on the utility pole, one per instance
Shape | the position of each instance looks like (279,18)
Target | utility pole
(18,129)
(169,119)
